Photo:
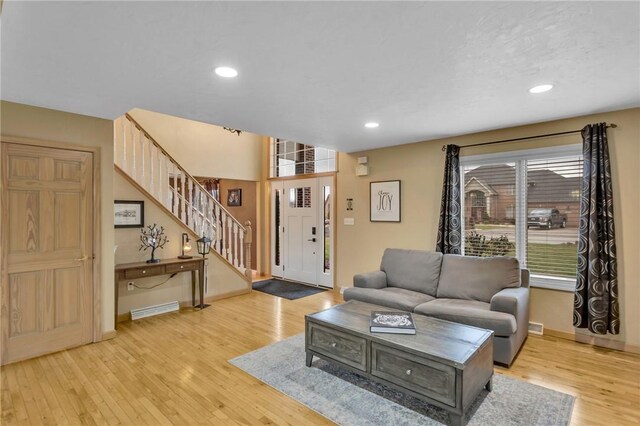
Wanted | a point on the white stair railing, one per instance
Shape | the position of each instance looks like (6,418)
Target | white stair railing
(146,163)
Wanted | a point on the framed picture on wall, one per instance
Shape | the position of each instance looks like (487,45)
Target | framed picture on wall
(234,197)
(128,214)
(384,199)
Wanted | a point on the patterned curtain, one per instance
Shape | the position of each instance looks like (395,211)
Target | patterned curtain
(449,229)
(596,296)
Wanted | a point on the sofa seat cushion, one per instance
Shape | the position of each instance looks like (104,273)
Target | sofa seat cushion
(415,270)
(470,312)
(392,297)
(476,278)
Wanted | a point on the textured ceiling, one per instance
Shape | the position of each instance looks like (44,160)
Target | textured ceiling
(315,72)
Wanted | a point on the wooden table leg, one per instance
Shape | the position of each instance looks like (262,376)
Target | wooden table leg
(489,385)
(193,288)
(309,359)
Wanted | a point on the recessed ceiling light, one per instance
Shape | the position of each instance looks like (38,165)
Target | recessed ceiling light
(371,125)
(227,72)
(542,88)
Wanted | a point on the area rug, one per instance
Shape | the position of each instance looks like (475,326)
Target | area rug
(286,289)
(349,399)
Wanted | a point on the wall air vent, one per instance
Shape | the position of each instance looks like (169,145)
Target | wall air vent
(536,328)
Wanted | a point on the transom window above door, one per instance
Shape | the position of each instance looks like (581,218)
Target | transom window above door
(289,158)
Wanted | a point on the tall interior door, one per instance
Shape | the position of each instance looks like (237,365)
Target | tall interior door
(47,250)
(302,245)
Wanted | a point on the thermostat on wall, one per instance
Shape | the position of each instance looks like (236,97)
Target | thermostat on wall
(362,170)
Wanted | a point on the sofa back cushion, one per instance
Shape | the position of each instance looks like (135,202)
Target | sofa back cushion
(476,278)
(415,270)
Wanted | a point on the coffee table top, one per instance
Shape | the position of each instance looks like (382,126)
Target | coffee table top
(445,341)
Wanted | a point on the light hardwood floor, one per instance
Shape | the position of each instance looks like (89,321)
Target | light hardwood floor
(173,369)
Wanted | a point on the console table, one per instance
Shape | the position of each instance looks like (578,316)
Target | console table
(131,271)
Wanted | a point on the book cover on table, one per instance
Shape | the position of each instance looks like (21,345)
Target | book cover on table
(392,322)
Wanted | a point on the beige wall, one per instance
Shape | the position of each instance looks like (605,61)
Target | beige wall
(203,149)
(221,278)
(420,168)
(57,126)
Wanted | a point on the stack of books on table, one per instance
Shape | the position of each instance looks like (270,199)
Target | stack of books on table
(392,322)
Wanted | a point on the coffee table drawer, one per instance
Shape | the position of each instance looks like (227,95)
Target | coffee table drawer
(420,375)
(343,347)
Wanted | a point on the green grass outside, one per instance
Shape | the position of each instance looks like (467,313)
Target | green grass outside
(552,259)
(487,227)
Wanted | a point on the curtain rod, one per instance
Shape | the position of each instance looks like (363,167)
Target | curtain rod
(444,147)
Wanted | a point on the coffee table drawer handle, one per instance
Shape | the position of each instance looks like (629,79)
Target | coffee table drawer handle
(333,345)
(408,372)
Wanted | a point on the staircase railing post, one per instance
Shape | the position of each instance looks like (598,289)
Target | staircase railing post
(247,246)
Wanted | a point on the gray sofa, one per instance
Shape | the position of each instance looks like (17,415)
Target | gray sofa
(486,292)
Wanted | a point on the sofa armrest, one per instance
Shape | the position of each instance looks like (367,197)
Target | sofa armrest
(375,279)
(514,301)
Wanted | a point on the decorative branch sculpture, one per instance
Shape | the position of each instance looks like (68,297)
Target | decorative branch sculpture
(152,237)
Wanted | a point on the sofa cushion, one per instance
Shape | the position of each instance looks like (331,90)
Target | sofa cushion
(392,297)
(470,312)
(476,278)
(416,270)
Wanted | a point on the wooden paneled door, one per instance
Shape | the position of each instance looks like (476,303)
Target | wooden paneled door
(47,250)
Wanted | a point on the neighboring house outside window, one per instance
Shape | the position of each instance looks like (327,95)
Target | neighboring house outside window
(525,204)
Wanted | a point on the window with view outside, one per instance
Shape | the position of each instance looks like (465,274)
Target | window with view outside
(527,207)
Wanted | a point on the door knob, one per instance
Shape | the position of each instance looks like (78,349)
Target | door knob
(313,240)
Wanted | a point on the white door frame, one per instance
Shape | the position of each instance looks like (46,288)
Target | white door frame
(325,279)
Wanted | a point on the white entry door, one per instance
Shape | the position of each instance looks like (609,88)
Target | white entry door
(302,244)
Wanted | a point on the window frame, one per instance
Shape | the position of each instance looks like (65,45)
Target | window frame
(519,158)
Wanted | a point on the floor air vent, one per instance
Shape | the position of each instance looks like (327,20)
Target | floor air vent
(150,311)
(536,328)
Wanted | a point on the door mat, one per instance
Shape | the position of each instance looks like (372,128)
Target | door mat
(286,289)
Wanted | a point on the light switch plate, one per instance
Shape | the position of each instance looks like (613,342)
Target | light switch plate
(349,221)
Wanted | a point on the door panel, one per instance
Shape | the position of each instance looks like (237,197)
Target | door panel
(300,214)
(47,284)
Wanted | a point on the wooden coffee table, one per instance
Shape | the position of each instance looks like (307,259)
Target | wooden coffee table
(444,363)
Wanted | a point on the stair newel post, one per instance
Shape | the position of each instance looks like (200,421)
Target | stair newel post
(248,237)
(241,235)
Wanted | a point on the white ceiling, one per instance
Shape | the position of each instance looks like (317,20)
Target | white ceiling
(315,72)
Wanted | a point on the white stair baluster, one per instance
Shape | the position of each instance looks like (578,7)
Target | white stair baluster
(133,152)
(175,190)
(229,234)
(152,150)
(124,122)
(241,244)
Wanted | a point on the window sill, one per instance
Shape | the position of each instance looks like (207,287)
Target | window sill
(553,283)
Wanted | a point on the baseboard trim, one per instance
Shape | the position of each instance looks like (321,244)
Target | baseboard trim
(108,335)
(227,295)
(602,342)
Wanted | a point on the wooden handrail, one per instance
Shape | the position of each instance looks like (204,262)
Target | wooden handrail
(202,188)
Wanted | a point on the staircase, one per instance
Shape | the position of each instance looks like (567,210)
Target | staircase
(149,167)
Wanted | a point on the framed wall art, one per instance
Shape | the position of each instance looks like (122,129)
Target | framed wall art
(128,214)
(384,199)
(234,197)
